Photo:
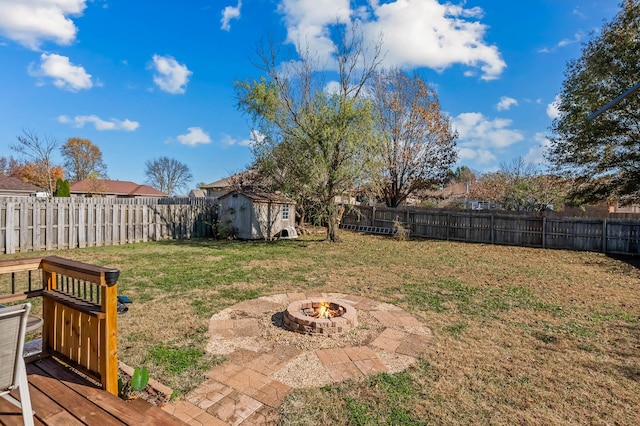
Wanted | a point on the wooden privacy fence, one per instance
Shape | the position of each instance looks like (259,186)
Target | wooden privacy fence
(606,235)
(62,223)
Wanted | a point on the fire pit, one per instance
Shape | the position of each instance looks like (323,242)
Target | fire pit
(319,316)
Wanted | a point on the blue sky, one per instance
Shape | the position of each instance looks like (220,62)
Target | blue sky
(143,79)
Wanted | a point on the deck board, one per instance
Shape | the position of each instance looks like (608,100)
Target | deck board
(61,397)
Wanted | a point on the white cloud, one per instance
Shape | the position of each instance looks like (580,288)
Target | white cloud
(229,13)
(65,75)
(552,109)
(195,137)
(506,103)
(475,130)
(416,32)
(30,22)
(170,76)
(112,124)
(480,138)
(254,137)
(563,43)
(479,156)
(536,154)
(567,41)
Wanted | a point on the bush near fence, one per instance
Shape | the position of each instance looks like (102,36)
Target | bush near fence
(606,234)
(29,224)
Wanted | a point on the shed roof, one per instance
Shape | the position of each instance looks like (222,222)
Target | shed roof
(11,184)
(115,187)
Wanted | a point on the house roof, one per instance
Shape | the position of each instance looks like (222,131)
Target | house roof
(233,180)
(115,187)
(219,184)
(261,197)
(11,184)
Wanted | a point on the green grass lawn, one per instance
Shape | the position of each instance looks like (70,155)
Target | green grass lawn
(521,336)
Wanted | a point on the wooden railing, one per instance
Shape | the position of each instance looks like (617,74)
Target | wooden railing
(79,311)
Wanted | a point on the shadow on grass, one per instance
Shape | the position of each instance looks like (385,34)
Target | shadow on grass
(633,261)
(225,244)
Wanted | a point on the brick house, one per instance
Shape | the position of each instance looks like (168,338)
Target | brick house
(113,189)
(10,186)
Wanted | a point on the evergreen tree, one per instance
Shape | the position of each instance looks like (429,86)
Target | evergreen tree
(602,154)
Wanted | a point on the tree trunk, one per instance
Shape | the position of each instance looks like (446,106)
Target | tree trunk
(332,222)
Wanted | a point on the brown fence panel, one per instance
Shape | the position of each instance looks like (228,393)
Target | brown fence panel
(602,234)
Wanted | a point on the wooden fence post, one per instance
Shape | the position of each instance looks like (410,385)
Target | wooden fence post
(544,232)
(9,235)
(493,229)
(604,235)
(109,349)
(373,215)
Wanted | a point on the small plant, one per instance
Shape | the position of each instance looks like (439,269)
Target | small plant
(138,382)
(400,231)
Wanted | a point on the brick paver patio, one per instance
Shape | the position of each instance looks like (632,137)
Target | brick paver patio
(243,390)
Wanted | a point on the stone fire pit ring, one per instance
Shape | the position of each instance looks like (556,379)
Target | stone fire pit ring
(295,318)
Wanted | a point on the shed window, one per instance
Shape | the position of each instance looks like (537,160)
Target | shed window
(285,211)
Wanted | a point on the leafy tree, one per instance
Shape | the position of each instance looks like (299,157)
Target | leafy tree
(167,174)
(63,188)
(95,186)
(417,142)
(35,174)
(325,126)
(463,174)
(41,170)
(518,185)
(602,153)
(81,159)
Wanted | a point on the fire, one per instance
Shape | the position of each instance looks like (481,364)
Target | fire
(323,311)
(326,311)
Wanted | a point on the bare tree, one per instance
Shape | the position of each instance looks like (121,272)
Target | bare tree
(40,152)
(167,174)
(417,142)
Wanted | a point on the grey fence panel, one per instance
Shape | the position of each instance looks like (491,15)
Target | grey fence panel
(28,224)
(623,237)
(574,234)
(517,230)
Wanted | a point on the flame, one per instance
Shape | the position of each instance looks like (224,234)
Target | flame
(323,311)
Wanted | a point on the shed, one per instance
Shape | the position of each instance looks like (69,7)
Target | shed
(257,215)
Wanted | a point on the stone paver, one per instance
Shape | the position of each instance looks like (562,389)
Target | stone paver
(350,363)
(294,297)
(261,417)
(389,340)
(256,306)
(234,408)
(191,414)
(414,345)
(243,391)
(270,362)
(229,328)
(396,319)
(208,393)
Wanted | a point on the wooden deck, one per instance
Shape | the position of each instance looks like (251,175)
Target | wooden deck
(61,397)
